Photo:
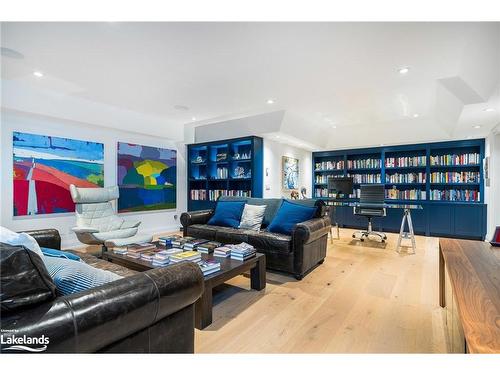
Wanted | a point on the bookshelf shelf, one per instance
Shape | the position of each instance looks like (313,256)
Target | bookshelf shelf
(209,178)
(420,170)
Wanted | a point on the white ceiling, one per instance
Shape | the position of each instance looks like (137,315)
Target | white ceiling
(132,75)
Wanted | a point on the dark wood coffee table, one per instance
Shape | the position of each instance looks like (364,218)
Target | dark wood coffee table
(228,269)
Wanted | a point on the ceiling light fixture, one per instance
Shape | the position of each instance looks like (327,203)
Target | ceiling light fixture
(193,118)
(334,126)
(403,70)
(415,115)
(489,110)
(477,126)
(38,74)
(270,101)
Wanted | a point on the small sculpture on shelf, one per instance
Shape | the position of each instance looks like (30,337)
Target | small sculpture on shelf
(198,160)
(221,156)
(294,194)
(239,172)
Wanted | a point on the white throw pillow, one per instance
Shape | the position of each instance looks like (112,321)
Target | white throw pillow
(15,239)
(252,217)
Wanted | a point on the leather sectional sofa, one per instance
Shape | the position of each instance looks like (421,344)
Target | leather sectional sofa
(297,254)
(148,312)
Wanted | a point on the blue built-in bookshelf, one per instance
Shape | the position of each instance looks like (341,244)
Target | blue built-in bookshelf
(446,178)
(229,167)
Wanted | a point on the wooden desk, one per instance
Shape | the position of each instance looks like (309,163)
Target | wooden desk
(469,290)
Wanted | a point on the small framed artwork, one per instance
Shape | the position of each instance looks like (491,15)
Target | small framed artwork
(290,173)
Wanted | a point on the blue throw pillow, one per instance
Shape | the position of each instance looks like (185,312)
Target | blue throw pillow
(59,254)
(288,215)
(227,214)
(73,277)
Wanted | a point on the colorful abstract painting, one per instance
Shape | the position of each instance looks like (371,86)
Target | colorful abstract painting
(45,166)
(289,173)
(147,178)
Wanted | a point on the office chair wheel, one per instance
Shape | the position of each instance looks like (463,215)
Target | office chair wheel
(383,240)
(385,237)
(362,239)
(353,236)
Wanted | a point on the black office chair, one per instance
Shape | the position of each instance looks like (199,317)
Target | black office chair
(371,204)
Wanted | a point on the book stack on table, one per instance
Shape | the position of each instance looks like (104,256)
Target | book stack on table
(222,252)
(208,247)
(192,256)
(161,258)
(193,244)
(179,242)
(209,266)
(135,250)
(242,251)
(121,250)
(167,240)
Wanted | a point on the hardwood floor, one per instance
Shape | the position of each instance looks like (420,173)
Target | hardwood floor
(365,298)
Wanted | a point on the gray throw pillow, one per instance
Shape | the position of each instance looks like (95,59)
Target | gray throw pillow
(252,217)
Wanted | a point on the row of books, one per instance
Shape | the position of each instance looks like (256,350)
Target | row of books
(364,163)
(213,195)
(406,161)
(329,165)
(410,194)
(462,195)
(455,159)
(322,178)
(405,178)
(221,173)
(198,194)
(455,177)
(373,178)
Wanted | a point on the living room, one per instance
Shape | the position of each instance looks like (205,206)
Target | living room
(182,186)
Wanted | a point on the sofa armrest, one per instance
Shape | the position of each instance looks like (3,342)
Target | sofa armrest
(88,321)
(196,217)
(85,230)
(311,230)
(130,224)
(48,238)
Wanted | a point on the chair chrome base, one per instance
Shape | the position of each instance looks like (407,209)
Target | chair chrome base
(369,232)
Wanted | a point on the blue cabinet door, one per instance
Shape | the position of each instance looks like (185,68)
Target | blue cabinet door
(468,221)
(441,219)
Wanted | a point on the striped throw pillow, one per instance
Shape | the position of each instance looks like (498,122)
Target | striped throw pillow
(72,276)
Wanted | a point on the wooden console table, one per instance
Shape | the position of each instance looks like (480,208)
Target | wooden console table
(469,290)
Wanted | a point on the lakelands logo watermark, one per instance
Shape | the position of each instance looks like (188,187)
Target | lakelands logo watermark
(23,343)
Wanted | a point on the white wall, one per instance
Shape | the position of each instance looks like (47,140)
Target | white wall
(152,222)
(492,193)
(273,152)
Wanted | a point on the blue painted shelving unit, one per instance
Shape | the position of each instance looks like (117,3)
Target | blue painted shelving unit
(421,180)
(226,167)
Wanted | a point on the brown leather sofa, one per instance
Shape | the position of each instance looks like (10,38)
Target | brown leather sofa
(296,254)
(148,312)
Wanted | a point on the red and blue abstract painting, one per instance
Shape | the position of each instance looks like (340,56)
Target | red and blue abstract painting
(147,178)
(45,166)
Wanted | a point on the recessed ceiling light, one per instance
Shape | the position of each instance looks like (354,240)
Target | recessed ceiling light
(469,137)
(193,118)
(270,101)
(277,136)
(477,126)
(334,126)
(181,107)
(38,74)
(415,115)
(382,144)
(489,110)
(403,70)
